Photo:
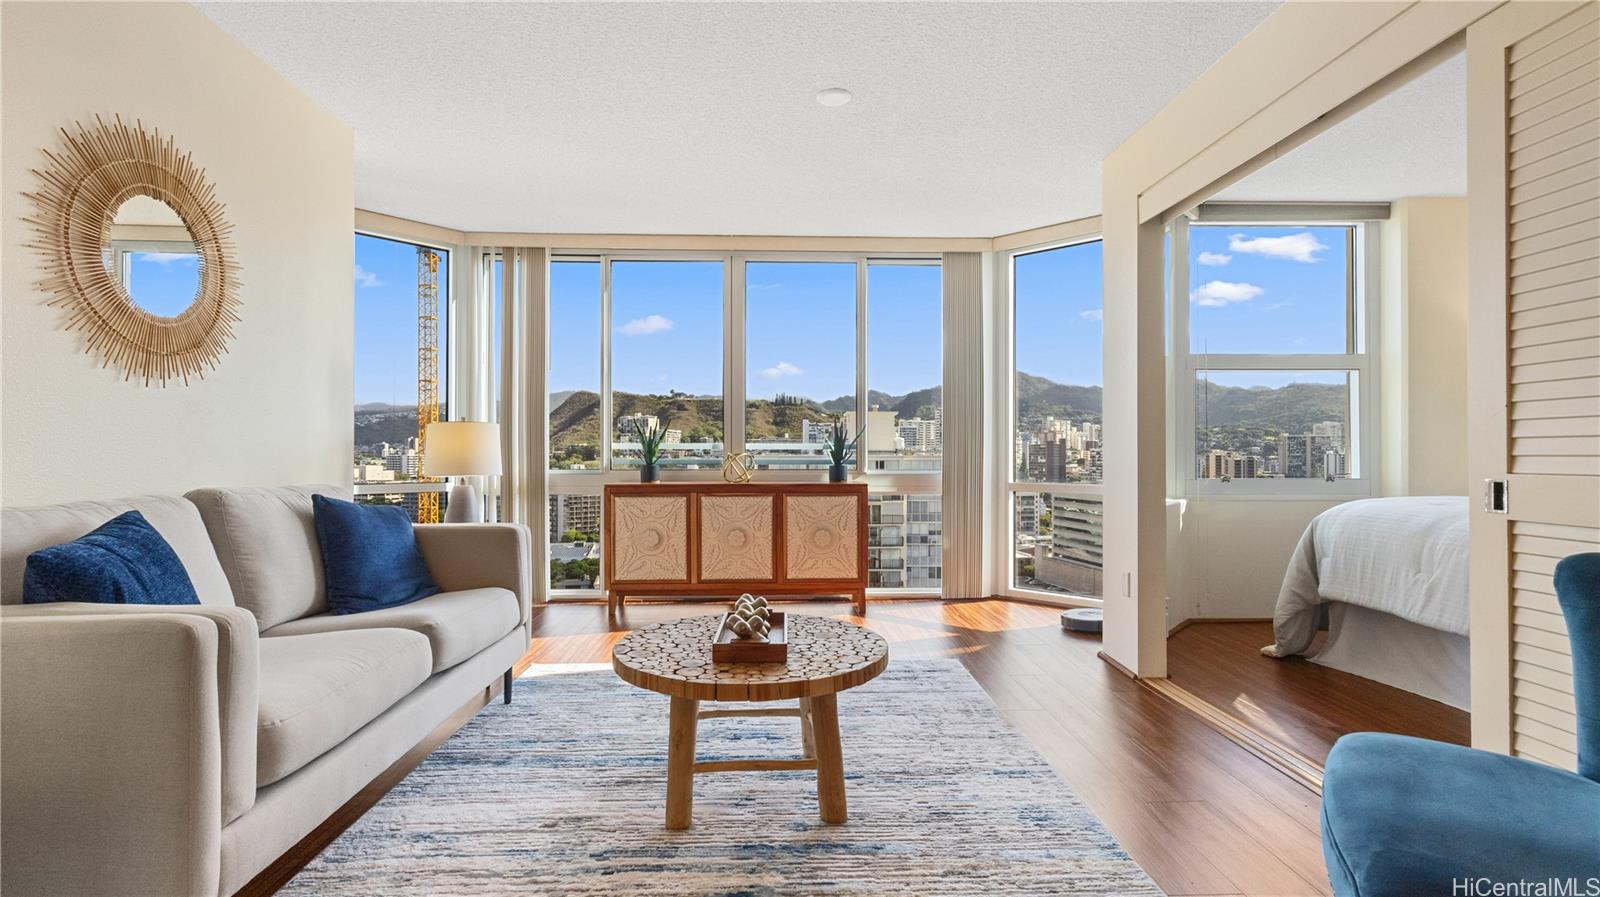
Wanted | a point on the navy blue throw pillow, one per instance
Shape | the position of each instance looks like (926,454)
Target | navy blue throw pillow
(369,556)
(123,561)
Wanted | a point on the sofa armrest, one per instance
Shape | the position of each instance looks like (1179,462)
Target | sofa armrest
(112,781)
(238,682)
(478,556)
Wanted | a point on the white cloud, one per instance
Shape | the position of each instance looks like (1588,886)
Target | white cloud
(168,258)
(1301,247)
(365,278)
(1214,258)
(1217,293)
(781,369)
(1093,314)
(646,325)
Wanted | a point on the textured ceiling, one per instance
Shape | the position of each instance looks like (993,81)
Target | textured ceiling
(968,119)
(1412,142)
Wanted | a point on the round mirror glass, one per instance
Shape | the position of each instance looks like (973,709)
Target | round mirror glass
(153,256)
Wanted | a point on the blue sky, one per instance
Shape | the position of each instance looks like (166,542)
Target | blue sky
(386,320)
(799,320)
(163,283)
(1057,318)
(1267,289)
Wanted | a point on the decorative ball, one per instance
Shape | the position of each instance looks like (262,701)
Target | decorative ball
(738,468)
(741,627)
(759,602)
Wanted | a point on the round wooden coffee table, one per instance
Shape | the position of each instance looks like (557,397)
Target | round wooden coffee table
(825,657)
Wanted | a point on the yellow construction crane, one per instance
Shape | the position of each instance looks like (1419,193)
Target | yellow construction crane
(427,369)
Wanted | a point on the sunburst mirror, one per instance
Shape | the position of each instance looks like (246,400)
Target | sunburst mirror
(137,250)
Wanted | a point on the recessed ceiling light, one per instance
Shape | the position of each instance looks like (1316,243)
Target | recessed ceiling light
(833,96)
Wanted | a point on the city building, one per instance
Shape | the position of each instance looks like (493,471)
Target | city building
(574,512)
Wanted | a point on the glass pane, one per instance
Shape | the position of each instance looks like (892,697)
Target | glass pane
(1274,424)
(905,368)
(392,292)
(904,542)
(1057,338)
(407,501)
(574,364)
(1057,544)
(800,358)
(574,541)
(666,360)
(1275,290)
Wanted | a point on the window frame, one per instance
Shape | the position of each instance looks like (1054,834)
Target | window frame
(1005,474)
(1361,362)
(447,371)
(734,387)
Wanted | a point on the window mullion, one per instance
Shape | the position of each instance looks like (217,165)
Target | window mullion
(606,430)
(734,351)
(863,445)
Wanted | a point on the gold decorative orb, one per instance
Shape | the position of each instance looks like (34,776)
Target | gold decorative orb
(738,468)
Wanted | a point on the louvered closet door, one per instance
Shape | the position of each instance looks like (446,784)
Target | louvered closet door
(1534,397)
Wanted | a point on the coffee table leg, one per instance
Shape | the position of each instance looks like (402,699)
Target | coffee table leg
(808,741)
(680,763)
(830,758)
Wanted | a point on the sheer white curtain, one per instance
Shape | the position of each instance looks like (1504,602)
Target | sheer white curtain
(964,428)
(524,432)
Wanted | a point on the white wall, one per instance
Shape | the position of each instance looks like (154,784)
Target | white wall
(1232,553)
(277,409)
(1423,321)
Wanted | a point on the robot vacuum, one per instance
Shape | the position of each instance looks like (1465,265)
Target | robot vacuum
(1082,619)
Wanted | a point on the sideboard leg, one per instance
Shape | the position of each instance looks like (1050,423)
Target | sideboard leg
(859,600)
(680,762)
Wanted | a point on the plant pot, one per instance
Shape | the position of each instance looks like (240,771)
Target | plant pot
(649,473)
(838,473)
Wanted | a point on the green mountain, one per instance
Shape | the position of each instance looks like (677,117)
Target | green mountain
(1039,397)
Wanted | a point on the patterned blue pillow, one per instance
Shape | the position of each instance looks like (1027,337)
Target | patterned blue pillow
(369,556)
(123,561)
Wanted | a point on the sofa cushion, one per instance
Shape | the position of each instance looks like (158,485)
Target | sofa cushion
(369,556)
(26,530)
(267,545)
(1405,816)
(121,561)
(456,624)
(318,689)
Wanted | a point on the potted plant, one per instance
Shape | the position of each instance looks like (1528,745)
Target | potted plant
(649,448)
(841,451)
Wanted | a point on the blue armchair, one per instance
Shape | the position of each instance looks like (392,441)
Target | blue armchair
(1407,817)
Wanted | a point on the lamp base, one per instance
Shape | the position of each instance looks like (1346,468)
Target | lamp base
(463,506)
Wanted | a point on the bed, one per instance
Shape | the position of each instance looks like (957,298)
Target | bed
(1387,577)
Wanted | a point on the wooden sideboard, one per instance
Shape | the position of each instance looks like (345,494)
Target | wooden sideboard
(717,539)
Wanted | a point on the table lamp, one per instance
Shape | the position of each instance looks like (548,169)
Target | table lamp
(462,448)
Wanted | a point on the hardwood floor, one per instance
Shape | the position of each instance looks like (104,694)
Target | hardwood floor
(1294,701)
(1198,812)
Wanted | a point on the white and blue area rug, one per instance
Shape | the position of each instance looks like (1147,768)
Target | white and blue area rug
(563,793)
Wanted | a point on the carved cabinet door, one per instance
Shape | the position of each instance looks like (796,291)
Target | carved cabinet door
(821,536)
(650,538)
(736,533)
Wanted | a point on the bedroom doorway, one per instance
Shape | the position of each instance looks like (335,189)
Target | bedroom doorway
(1317,535)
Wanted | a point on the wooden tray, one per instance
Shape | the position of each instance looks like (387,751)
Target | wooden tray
(729,648)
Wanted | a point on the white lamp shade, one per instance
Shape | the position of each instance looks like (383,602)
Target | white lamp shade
(459,448)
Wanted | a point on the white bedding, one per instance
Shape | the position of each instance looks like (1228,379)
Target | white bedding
(1402,556)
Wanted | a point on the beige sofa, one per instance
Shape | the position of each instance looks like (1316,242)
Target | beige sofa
(178,750)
